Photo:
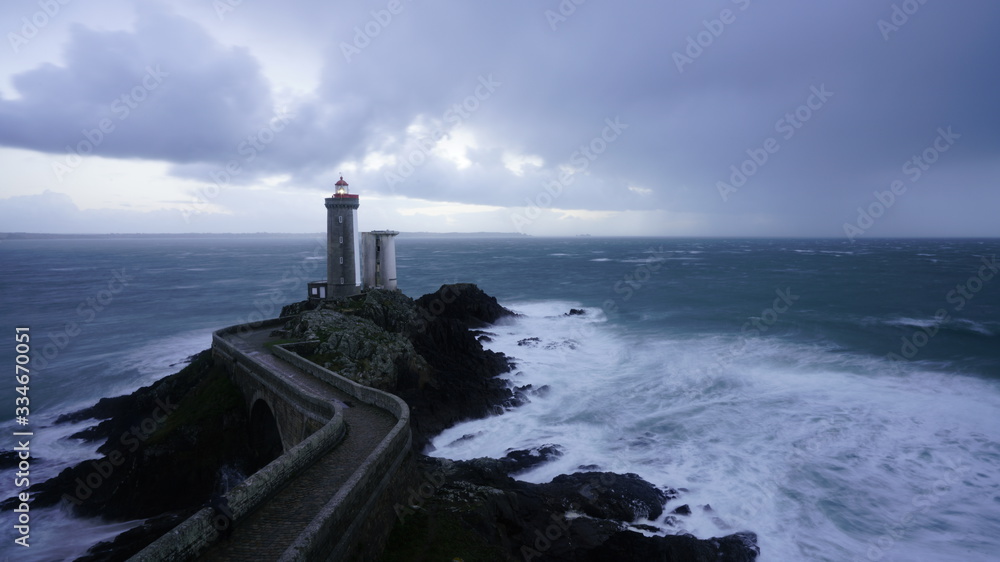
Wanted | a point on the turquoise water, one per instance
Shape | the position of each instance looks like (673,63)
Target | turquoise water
(839,399)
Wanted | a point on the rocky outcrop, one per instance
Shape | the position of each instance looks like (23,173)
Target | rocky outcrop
(464,383)
(166,449)
(464,302)
(424,351)
(473,510)
(357,348)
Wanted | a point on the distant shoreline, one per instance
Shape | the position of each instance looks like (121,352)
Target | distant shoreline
(455,235)
(229,235)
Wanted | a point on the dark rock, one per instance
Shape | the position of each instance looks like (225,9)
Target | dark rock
(390,310)
(297,308)
(523,459)
(9,459)
(466,437)
(462,382)
(104,409)
(624,545)
(370,352)
(465,302)
(426,351)
(523,393)
(682,510)
(165,447)
(129,543)
(529,342)
(541,391)
(606,495)
(576,312)
(481,513)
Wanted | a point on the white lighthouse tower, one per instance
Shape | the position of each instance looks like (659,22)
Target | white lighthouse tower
(343,259)
(353,262)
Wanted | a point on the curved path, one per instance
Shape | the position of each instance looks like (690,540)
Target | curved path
(268,532)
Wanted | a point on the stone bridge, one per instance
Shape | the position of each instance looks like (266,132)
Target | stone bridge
(329,494)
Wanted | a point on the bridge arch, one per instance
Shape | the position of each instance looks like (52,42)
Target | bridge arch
(265,433)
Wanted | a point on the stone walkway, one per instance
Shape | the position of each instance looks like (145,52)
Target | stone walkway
(274,526)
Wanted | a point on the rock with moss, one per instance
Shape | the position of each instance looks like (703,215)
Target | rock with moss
(424,350)
(390,310)
(357,348)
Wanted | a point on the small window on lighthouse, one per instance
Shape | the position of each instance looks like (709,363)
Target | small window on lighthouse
(341,239)
(341,261)
(340,219)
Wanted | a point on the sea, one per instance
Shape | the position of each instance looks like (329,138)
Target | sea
(840,399)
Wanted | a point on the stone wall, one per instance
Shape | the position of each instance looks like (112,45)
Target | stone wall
(343,529)
(353,523)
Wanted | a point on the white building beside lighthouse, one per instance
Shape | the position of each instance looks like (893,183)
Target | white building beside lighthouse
(378,259)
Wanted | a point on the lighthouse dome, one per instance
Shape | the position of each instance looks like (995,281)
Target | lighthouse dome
(341,186)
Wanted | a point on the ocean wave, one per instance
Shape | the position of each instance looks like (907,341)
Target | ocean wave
(767,430)
(959,325)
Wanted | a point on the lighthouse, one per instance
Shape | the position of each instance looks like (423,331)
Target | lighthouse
(343,259)
(354,263)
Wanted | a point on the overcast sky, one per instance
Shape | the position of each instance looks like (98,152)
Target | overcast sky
(694,117)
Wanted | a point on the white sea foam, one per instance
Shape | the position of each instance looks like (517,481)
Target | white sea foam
(57,535)
(957,324)
(823,454)
(913,322)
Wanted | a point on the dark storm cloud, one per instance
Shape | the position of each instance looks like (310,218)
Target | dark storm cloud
(166,91)
(686,128)
(692,110)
